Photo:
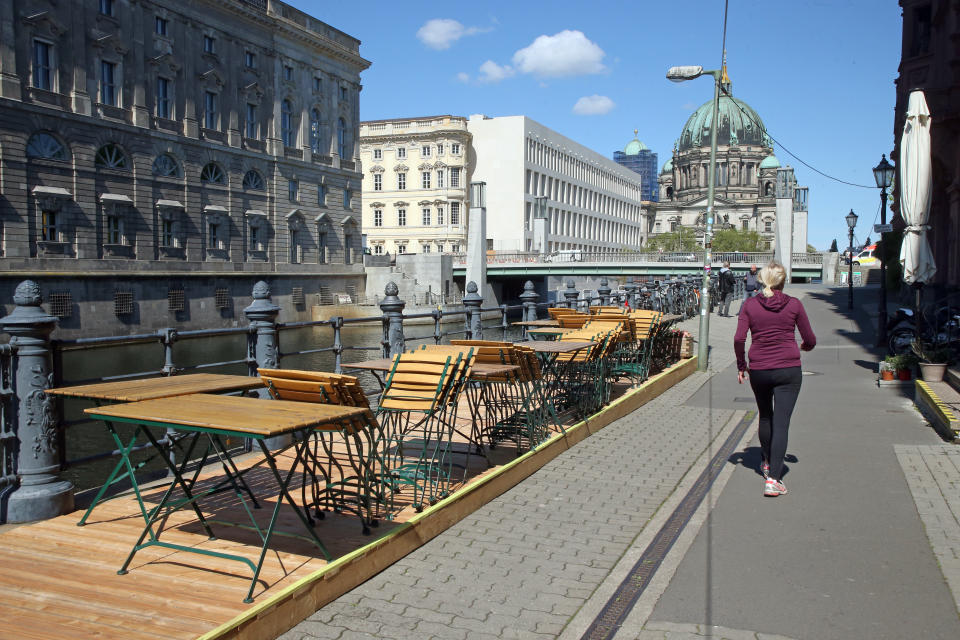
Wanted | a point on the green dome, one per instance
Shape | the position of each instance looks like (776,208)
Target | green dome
(634,147)
(770,162)
(668,167)
(738,124)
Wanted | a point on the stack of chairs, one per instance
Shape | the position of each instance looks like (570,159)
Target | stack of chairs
(572,320)
(585,382)
(418,410)
(346,490)
(633,359)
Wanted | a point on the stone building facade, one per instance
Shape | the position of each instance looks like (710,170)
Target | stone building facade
(157,158)
(415,184)
(745,183)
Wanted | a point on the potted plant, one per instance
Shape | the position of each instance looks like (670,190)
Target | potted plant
(905,365)
(888,367)
(933,361)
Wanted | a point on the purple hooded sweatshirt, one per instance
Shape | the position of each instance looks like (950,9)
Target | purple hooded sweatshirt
(771,322)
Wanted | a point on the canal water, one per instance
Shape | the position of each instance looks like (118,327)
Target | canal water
(86,438)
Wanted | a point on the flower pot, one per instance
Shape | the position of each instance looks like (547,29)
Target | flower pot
(886,374)
(904,374)
(932,372)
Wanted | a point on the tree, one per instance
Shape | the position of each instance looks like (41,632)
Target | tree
(811,248)
(833,246)
(727,240)
(682,240)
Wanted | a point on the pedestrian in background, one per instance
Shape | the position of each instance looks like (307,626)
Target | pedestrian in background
(774,367)
(727,283)
(751,284)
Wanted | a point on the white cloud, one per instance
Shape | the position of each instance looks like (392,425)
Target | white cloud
(463,77)
(440,33)
(490,71)
(594,105)
(568,53)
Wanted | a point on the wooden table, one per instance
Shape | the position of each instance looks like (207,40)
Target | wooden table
(548,332)
(147,389)
(226,416)
(548,351)
(537,323)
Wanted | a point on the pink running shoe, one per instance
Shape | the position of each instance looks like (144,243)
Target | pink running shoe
(773,488)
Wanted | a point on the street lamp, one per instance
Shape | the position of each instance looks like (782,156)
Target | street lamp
(681,74)
(883,174)
(851,222)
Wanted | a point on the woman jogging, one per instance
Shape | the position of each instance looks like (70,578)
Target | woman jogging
(774,370)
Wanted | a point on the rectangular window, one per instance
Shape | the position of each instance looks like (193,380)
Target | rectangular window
(254,238)
(439,215)
(743,225)
(250,60)
(322,247)
(439,248)
(346,198)
(425,151)
(920,36)
(160,26)
(294,247)
(114,230)
(287,72)
(293,187)
(317,85)
(378,182)
(321,195)
(401,248)
(378,217)
(42,63)
(768,226)
(455,178)
(439,149)
(401,153)
(439,178)
(455,248)
(401,217)
(455,148)
(425,216)
(424,248)
(163,98)
(378,154)
(252,121)
(209,44)
(401,181)
(454,213)
(213,241)
(209,109)
(166,233)
(425,180)
(378,250)
(106,7)
(48,226)
(343,94)
(108,87)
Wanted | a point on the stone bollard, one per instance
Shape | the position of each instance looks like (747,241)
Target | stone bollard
(472,303)
(571,294)
(262,314)
(632,289)
(529,298)
(392,308)
(41,494)
(604,292)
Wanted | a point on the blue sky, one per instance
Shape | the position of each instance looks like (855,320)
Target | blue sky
(819,72)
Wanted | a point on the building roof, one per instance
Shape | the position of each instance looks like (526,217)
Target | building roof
(738,124)
(634,146)
(667,166)
(770,162)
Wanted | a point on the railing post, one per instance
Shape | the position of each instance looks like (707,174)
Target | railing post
(262,315)
(392,307)
(529,298)
(472,303)
(41,493)
(437,332)
(167,337)
(503,321)
(337,324)
(604,292)
(571,294)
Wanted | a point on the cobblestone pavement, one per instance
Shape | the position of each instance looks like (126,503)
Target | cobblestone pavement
(933,475)
(522,566)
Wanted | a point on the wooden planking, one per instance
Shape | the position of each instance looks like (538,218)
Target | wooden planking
(150,388)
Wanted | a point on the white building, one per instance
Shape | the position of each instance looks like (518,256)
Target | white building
(592,203)
(416,174)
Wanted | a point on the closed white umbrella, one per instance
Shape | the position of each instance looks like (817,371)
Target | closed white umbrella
(916,183)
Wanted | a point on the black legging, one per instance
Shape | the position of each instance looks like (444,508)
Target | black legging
(776,391)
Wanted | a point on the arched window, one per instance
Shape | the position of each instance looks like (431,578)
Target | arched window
(341,138)
(315,130)
(253,181)
(165,166)
(44,145)
(111,156)
(213,174)
(768,189)
(286,124)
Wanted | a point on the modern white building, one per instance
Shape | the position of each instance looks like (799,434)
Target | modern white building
(592,203)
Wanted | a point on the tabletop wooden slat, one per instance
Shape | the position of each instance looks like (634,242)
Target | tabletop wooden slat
(556,346)
(167,387)
(257,417)
(537,323)
(550,331)
(478,369)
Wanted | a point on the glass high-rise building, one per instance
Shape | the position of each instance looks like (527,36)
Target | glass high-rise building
(637,157)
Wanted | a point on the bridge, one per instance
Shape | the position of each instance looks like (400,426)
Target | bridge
(577,263)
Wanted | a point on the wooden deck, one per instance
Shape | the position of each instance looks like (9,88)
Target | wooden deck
(60,580)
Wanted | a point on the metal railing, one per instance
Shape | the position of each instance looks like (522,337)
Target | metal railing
(693,257)
(9,445)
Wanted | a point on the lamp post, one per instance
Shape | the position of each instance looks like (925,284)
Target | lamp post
(883,174)
(851,222)
(681,74)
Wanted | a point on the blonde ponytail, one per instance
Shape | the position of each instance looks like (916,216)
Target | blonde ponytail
(773,277)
